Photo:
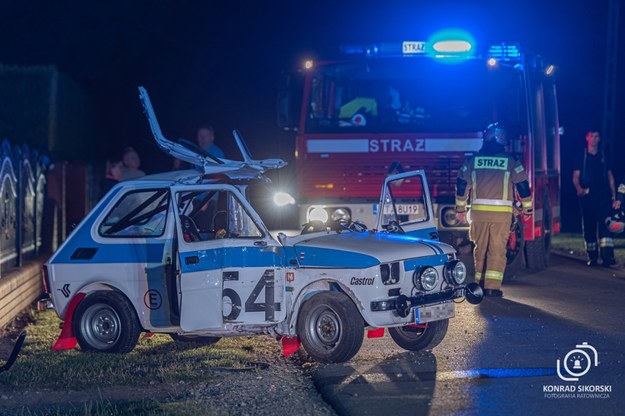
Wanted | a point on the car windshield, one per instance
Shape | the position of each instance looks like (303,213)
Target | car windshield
(417,95)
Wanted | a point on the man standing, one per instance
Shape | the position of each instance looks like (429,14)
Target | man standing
(490,177)
(205,138)
(594,183)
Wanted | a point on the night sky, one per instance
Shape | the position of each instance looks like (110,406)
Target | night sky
(219,62)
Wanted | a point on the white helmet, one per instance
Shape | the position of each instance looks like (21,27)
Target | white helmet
(615,223)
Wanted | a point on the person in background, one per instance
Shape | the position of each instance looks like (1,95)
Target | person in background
(132,162)
(113,174)
(205,138)
(594,184)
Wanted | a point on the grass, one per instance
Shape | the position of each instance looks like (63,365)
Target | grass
(573,243)
(155,362)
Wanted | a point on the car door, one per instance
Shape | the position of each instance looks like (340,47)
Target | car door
(231,269)
(405,201)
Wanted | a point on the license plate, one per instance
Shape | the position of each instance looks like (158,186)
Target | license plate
(434,312)
(402,209)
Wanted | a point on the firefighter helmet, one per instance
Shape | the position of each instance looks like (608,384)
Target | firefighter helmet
(616,223)
(496,132)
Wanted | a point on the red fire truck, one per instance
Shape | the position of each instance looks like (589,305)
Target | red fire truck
(395,107)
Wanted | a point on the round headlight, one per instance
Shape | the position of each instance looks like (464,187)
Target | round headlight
(282,199)
(318,214)
(426,278)
(457,272)
(341,214)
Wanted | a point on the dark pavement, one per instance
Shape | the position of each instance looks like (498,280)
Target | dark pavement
(500,357)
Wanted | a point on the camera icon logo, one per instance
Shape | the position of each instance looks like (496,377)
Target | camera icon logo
(577,362)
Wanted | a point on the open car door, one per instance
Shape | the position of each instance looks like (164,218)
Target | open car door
(405,206)
(231,269)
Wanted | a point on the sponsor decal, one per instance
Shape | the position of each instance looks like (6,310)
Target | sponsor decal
(152,299)
(361,281)
(290,277)
(65,290)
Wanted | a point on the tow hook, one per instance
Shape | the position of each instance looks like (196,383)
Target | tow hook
(14,353)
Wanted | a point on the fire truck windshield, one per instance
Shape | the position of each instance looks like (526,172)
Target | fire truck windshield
(412,95)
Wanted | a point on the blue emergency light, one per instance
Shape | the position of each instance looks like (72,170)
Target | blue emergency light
(453,43)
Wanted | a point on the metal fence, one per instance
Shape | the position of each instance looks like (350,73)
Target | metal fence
(22,195)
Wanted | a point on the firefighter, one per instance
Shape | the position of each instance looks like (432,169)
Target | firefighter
(491,177)
(594,184)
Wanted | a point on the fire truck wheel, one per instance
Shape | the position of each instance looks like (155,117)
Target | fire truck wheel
(201,340)
(330,327)
(536,254)
(106,322)
(415,338)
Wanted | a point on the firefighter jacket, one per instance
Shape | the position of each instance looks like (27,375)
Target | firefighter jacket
(490,180)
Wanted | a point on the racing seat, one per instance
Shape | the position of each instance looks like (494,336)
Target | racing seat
(220,224)
(190,232)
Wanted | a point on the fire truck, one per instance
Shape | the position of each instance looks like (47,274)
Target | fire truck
(392,107)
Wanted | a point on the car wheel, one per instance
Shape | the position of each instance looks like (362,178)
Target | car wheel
(417,338)
(330,327)
(199,339)
(106,322)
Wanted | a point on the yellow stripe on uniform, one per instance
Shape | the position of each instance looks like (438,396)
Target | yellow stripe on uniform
(519,169)
(492,208)
(493,275)
(506,179)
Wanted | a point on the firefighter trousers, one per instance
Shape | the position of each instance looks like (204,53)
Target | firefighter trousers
(490,239)
(595,209)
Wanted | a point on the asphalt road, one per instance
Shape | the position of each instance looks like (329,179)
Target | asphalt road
(500,357)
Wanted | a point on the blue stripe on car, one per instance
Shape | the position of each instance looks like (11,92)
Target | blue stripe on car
(433,261)
(227,257)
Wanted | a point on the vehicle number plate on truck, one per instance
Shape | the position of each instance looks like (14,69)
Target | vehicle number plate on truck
(402,209)
(434,312)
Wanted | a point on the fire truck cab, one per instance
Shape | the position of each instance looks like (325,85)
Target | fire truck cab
(395,107)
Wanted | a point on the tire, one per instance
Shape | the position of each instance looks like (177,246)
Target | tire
(413,338)
(199,339)
(535,255)
(514,252)
(106,322)
(330,327)
(537,251)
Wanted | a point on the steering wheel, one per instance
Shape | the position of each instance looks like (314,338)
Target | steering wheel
(354,226)
(394,227)
(313,227)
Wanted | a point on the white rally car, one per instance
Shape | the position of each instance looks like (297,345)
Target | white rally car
(185,253)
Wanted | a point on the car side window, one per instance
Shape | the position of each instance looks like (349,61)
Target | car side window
(214,215)
(404,201)
(141,213)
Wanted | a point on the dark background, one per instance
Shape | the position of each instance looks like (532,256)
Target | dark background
(219,62)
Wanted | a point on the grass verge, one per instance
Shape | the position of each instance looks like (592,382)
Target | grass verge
(157,377)
(573,243)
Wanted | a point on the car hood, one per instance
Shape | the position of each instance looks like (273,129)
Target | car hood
(367,249)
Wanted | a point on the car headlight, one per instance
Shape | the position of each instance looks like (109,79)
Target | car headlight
(448,218)
(341,214)
(318,214)
(282,198)
(455,272)
(425,278)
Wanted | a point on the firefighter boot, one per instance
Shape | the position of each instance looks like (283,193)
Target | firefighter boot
(607,256)
(592,258)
